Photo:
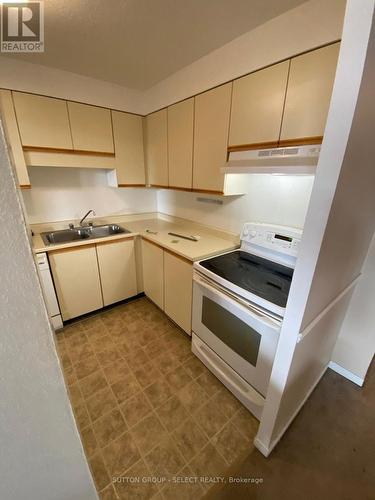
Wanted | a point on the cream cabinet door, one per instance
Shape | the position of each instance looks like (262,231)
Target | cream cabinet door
(13,137)
(76,276)
(153,275)
(43,122)
(257,106)
(156,148)
(178,288)
(117,270)
(180,143)
(128,137)
(211,126)
(91,128)
(309,93)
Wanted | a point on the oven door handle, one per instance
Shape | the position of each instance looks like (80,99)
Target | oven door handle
(237,302)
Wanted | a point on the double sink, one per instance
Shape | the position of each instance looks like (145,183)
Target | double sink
(82,233)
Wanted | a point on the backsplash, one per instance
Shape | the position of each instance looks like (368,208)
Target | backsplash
(68,193)
(274,199)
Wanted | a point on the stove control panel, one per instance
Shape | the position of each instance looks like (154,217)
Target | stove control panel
(280,239)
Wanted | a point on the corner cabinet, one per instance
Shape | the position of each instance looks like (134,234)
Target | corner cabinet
(129,151)
(89,277)
(157,148)
(168,282)
(309,93)
(153,277)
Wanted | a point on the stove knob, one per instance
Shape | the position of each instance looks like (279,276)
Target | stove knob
(252,234)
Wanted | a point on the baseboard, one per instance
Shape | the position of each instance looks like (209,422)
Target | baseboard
(346,373)
(266,450)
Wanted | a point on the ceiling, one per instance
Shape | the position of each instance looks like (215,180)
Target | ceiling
(137,43)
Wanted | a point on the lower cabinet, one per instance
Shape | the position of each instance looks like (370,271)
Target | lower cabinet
(153,279)
(76,275)
(92,276)
(178,288)
(117,270)
(168,282)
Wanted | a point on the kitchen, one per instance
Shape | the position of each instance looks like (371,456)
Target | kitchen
(168,230)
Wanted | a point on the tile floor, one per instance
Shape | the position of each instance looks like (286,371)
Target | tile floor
(146,407)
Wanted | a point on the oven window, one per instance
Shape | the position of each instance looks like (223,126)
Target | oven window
(236,334)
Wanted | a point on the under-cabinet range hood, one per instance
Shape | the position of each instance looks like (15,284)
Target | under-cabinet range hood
(294,160)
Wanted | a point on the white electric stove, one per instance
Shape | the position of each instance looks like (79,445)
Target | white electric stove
(239,300)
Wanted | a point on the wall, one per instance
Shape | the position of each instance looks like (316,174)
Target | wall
(355,346)
(308,26)
(41,452)
(66,193)
(27,77)
(338,229)
(270,198)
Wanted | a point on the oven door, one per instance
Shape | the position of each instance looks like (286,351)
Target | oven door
(244,337)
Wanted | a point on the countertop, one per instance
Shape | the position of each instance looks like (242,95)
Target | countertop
(211,241)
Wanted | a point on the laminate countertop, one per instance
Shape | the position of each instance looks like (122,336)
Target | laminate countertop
(153,227)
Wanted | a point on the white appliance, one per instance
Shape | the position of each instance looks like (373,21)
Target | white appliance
(295,160)
(49,290)
(239,300)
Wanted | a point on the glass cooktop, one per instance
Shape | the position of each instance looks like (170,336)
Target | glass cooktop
(262,277)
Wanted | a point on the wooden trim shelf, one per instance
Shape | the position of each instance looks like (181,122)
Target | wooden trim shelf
(67,151)
(188,190)
(132,185)
(25,186)
(257,145)
(208,191)
(299,141)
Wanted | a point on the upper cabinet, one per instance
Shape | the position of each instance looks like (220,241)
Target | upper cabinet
(91,128)
(180,144)
(309,93)
(43,122)
(211,127)
(128,138)
(157,148)
(13,137)
(257,106)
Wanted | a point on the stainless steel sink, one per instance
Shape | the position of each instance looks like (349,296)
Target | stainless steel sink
(82,233)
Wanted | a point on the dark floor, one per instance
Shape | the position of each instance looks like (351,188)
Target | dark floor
(327,453)
(147,408)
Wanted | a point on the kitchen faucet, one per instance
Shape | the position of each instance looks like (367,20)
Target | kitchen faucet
(84,217)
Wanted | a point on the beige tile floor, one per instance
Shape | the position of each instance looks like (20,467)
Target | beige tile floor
(146,407)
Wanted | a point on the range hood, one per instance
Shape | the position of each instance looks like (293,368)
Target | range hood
(294,160)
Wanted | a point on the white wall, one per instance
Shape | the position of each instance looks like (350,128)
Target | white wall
(338,230)
(66,193)
(270,198)
(27,77)
(355,346)
(309,25)
(41,453)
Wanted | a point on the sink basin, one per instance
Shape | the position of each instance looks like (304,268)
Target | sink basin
(82,233)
